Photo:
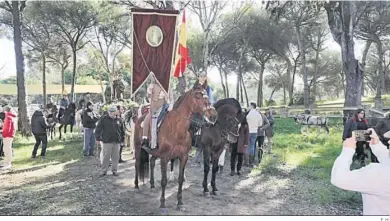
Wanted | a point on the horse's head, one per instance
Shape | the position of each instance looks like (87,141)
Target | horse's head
(199,102)
(299,118)
(229,119)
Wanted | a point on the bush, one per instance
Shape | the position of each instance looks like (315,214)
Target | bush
(299,99)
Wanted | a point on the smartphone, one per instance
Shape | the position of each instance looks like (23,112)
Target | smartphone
(362,135)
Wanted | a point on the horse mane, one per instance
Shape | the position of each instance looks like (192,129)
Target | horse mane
(181,98)
(228,101)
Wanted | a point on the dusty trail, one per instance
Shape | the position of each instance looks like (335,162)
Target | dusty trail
(74,188)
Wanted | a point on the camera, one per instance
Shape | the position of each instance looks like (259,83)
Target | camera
(362,135)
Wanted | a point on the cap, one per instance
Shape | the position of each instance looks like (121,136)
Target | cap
(112,109)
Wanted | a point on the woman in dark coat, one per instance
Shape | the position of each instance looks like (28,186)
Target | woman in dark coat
(239,148)
(358,122)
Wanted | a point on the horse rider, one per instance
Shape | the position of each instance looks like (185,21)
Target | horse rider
(202,81)
(157,98)
(64,103)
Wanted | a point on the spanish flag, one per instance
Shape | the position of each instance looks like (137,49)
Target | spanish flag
(182,56)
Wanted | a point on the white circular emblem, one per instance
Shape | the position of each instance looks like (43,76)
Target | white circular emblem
(154,36)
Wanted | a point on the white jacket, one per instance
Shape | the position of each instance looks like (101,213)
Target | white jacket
(254,121)
(373,180)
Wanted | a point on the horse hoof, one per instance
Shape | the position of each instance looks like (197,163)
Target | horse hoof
(206,194)
(215,193)
(152,187)
(181,208)
(164,211)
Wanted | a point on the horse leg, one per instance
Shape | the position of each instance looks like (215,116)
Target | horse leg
(71,128)
(214,174)
(172,173)
(326,130)
(65,128)
(183,162)
(164,163)
(136,172)
(152,165)
(59,129)
(206,169)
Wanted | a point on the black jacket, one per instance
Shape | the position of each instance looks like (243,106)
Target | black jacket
(38,123)
(89,121)
(110,130)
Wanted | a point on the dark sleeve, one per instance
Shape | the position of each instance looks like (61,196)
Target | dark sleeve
(271,121)
(347,127)
(266,122)
(99,130)
(43,123)
(379,128)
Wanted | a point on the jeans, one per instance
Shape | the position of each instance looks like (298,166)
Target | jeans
(40,138)
(89,141)
(252,143)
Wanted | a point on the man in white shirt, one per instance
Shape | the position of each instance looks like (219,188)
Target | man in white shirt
(373,180)
(254,122)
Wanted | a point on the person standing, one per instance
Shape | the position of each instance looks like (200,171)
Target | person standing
(110,131)
(38,127)
(238,149)
(2,117)
(8,136)
(64,103)
(358,122)
(89,123)
(261,132)
(269,132)
(254,120)
(119,113)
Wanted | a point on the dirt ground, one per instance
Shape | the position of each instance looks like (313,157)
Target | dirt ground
(74,188)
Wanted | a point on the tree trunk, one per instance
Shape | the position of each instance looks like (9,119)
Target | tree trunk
(246,94)
(302,50)
(241,90)
(260,86)
(285,97)
(290,79)
(342,22)
(72,96)
(238,87)
(63,78)
(23,119)
(206,51)
(101,86)
(316,67)
(222,83)
(270,97)
(379,88)
(227,84)
(364,58)
(44,79)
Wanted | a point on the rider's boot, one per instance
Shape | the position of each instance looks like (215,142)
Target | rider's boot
(146,145)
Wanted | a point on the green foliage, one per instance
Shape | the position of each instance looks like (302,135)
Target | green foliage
(311,158)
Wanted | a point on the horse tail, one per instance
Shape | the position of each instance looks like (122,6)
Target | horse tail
(144,165)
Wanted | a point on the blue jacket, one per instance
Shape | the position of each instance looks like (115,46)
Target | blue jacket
(210,94)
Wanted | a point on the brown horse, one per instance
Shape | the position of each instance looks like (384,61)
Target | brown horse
(174,140)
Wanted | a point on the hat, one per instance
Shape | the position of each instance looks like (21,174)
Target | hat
(112,109)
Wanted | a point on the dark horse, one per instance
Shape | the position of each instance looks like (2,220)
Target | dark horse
(214,138)
(174,140)
(68,118)
(52,119)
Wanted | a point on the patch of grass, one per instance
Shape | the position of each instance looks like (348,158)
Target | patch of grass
(68,149)
(311,157)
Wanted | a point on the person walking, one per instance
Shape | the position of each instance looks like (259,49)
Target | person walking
(120,110)
(64,103)
(238,148)
(8,136)
(89,124)
(261,134)
(110,131)
(255,121)
(38,127)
